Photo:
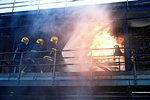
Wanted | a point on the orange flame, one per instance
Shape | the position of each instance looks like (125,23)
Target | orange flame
(103,39)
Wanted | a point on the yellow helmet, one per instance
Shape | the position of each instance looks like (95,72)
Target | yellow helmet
(24,39)
(39,40)
(54,38)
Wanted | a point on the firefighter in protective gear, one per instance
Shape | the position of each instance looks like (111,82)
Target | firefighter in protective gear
(54,39)
(117,53)
(51,47)
(38,46)
(25,40)
(21,47)
(117,50)
(53,44)
(35,56)
(40,41)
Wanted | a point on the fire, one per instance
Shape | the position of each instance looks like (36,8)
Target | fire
(103,39)
(103,43)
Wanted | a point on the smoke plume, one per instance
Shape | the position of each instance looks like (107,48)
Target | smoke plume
(82,35)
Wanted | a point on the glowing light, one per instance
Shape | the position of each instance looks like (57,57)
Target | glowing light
(102,47)
(103,39)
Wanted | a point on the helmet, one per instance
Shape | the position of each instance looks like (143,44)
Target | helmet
(24,39)
(39,41)
(54,38)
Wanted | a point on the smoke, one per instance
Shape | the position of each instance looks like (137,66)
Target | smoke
(46,23)
(82,35)
(141,22)
(74,26)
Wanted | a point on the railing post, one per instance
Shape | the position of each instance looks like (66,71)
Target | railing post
(54,66)
(20,65)
(134,66)
(91,71)
(92,77)
(91,59)
(119,62)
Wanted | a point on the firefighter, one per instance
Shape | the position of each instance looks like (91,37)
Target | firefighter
(51,47)
(21,47)
(39,45)
(53,44)
(117,51)
(117,54)
(35,56)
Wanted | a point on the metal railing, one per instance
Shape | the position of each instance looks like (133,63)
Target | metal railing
(56,62)
(140,60)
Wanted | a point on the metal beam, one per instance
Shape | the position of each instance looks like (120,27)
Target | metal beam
(73,79)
